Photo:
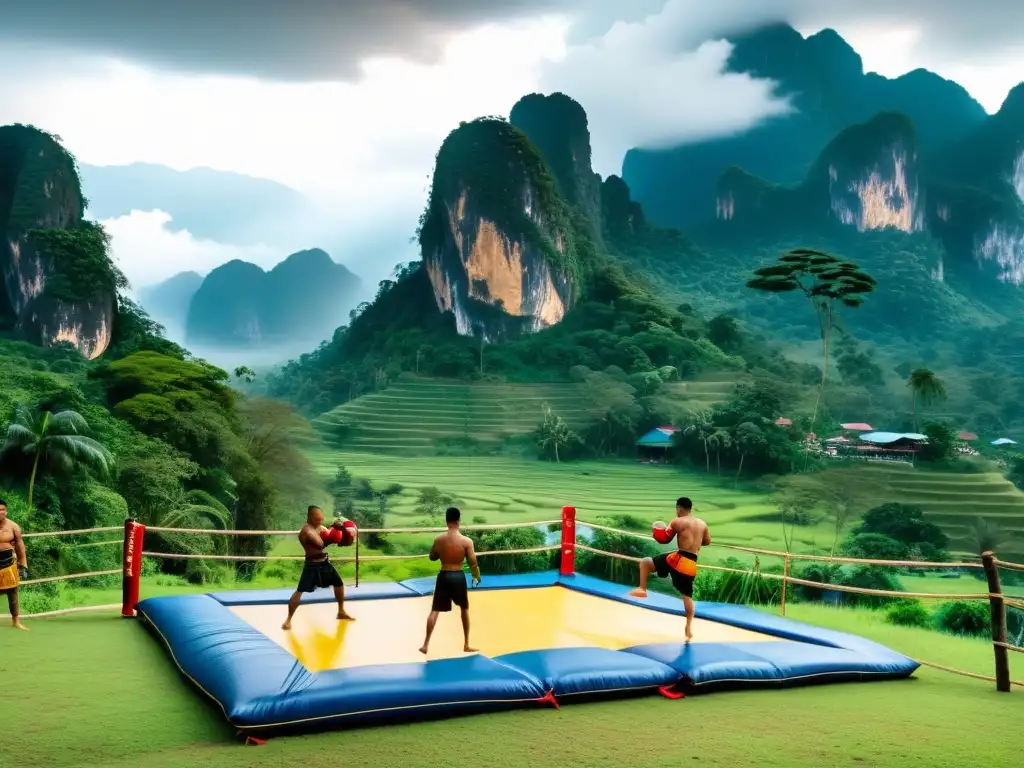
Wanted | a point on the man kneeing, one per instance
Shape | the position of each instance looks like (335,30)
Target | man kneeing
(451,549)
(317,570)
(691,533)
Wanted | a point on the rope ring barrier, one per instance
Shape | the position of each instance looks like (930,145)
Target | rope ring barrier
(569,546)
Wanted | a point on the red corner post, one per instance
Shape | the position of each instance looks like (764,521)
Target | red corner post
(134,533)
(568,567)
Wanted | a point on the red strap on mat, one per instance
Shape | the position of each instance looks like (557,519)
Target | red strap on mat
(549,698)
(670,693)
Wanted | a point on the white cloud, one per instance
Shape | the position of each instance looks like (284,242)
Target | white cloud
(312,136)
(639,91)
(147,252)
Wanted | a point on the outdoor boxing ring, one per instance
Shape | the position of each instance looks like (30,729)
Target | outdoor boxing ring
(545,639)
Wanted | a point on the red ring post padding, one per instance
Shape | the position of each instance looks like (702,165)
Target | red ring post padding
(568,566)
(134,533)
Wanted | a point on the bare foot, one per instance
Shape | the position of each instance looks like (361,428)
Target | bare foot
(19,625)
(286,626)
(467,649)
(689,635)
(423,650)
(345,617)
(638,593)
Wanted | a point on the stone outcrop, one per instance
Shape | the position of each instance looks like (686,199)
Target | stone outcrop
(55,289)
(496,239)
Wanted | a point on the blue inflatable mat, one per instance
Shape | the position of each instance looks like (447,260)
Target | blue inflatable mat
(261,686)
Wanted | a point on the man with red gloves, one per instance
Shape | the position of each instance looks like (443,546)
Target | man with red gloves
(13,565)
(691,533)
(317,572)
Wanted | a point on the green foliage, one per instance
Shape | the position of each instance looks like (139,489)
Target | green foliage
(54,442)
(964,617)
(874,546)
(432,504)
(556,439)
(826,281)
(908,613)
(868,577)
(508,539)
(611,568)
(742,431)
(81,267)
(905,524)
(942,443)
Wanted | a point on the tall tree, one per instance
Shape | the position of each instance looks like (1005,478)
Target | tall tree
(925,386)
(827,281)
(748,437)
(54,441)
(702,428)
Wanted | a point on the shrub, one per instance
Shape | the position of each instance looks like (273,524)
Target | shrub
(874,546)
(908,613)
(868,577)
(611,568)
(512,538)
(964,617)
(821,573)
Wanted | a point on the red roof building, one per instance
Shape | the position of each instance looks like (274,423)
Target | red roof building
(857,426)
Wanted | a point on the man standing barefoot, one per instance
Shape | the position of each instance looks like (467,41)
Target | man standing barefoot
(691,533)
(451,549)
(13,565)
(317,570)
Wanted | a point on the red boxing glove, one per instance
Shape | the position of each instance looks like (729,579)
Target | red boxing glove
(348,533)
(662,533)
(338,524)
(331,536)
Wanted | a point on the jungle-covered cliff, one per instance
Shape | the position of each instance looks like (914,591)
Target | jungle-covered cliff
(59,284)
(824,81)
(497,238)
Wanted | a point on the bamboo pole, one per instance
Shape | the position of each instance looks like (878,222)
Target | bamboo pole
(785,582)
(997,610)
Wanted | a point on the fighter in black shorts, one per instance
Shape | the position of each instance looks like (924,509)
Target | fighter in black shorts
(317,571)
(451,549)
(690,533)
(681,566)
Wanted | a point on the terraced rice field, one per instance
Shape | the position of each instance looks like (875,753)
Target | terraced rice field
(504,489)
(412,415)
(956,501)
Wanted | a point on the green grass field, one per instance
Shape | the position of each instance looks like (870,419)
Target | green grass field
(98,691)
(412,415)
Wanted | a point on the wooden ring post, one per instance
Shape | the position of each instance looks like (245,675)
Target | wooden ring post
(997,611)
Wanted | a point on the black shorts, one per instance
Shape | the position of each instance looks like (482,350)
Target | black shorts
(681,566)
(450,588)
(318,575)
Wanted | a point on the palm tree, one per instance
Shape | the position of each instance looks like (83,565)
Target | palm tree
(825,280)
(924,384)
(54,441)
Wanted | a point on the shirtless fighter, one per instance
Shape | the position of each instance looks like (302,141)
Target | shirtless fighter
(451,549)
(13,565)
(317,570)
(691,533)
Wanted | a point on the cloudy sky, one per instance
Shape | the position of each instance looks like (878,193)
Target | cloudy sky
(348,100)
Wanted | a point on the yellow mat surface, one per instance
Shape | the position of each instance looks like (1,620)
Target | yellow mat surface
(502,621)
